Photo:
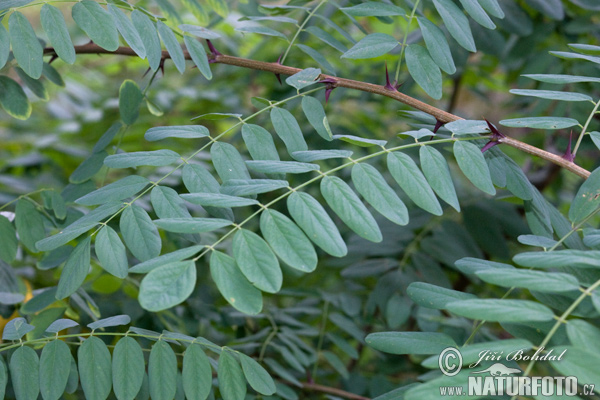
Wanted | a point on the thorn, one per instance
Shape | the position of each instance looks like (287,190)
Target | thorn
(438,125)
(569,156)
(496,137)
(162,66)
(278,76)
(54,57)
(388,85)
(329,86)
(146,73)
(214,51)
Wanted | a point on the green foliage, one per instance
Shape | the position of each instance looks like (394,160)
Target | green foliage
(127,228)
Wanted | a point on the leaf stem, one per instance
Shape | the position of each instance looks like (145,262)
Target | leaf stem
(308,17)
(410,18)
(321,337)
(583,131)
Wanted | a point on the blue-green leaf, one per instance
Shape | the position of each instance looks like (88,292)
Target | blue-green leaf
(55,364)
(139,233)
(16,328)
(312,218)
(477,12)
(198,55)
(304,78)
(127,368)
(456,22)
(157,158)
(75,270)
(176,131)
(261,30)
(25,45)
(4,46)
(437,45)
(288,130)
(191,225)
(233,285)
(256,261)
(371,46)
(29,223)
(128,31)
(167,258)
(285,167)
(199,31)
(166,286)
(540,122)
(424,70)
(288,241)
(410,342)
(149,35)
(257,376)
(231,378)
(316,116)
(560,79)
(501,310)
(346,204)
(97,23)
(130,99)
(473,165)
(228,162)
(95,369)
(13,99)
(167,203)
(217,200)
(372,186)
(587,199)
(196,373)
(410,178)
(374,9)
(545,282)
(431,296)
(172,45)
(436,171)
(316,155)
(111,252)
(24,364)
(118,190)
(552,95)
(248,187)
(56,28)
(162,371)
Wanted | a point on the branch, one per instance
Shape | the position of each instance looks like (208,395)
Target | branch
(440,115)
(330,390)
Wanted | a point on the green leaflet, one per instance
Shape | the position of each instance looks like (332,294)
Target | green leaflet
(198,55)
(29,223)
(579,362)
(95,370)
(437,45)
(157,158)
(312,218)
(172,45)
(288,241)
(492,7)
(168,285)
(346,204)
(257,261)
(257,376)
(540,122)
(97,23)
(431,296)
(559,259)
(259,142)
(139,233)
(25,45)
(288,130)
(456,22)
(587,199)
(149,36)
(371,46)
(88,168)
(359,141)
(191,225)
(316,116)
(424,70)
(118,190)
(75,270)
(318,57)
(3,377)
(473,165)
(176,255)
(242,187)
(374,9)
(501,310)
(582,334)
(477,12)
(316,155)
(410,342)
(197,179)
(55,365)
(233,285)
(231,378)
(228,162)
(167,203)
(284,167)
(436,171)
(116,320)
(52,74)
(162,371)
(107,137)
(4,46)
(557,78)
(196,373)
(326,38)
(411,180)
(9,242)
(176,131)
(127,30)
(373,187)
(261,30)
(218,200)
(199,31)
(127,368)
(35,85)
(547,282)
(130,99)
(13,99)
(304,78)
(24,364)
(111,252)
(552,95)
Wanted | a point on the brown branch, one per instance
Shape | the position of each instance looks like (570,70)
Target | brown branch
(440,115)
(330,390)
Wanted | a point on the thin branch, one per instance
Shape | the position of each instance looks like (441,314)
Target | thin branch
(440,115)
(331,390)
